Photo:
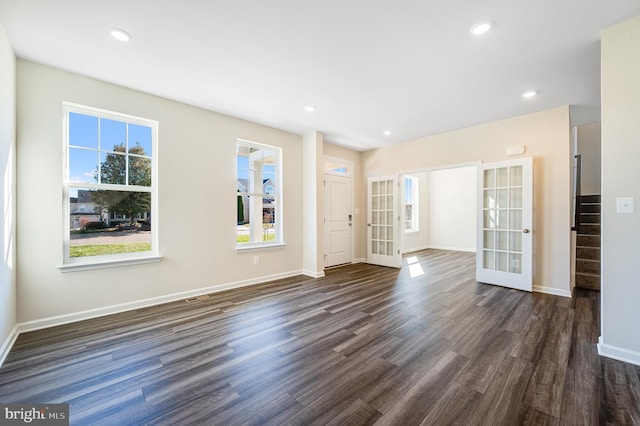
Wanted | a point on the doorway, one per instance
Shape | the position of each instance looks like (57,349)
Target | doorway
(338,212)
(444,217)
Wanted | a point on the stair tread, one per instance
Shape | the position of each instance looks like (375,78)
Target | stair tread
(588,274)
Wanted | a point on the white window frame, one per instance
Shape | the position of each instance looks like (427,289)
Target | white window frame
(415,202)
(279,219)
(104,261)
(332,166)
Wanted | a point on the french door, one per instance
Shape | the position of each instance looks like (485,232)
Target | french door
(383,222)
(504,254)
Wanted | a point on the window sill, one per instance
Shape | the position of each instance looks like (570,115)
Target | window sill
(240,249)
(412,231)
(111,263)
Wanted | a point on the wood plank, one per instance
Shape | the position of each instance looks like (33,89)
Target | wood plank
(582,400)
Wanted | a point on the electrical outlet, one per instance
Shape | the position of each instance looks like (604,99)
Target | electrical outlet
(256,260)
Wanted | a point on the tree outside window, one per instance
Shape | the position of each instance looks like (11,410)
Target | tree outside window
(110,184)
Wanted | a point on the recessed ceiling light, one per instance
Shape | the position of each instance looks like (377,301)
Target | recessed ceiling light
(309,108)
(120,34)
(387,132)
(481,28)
(529,94)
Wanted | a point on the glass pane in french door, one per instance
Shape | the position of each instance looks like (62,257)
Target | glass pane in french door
(382,218)
(502,219)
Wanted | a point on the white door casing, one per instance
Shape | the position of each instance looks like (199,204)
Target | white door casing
(504,253)
(338,220)
(383,222)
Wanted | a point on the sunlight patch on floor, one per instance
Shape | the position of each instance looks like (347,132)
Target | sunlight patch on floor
(415,269)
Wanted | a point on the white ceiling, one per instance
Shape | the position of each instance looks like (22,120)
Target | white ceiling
(367,65)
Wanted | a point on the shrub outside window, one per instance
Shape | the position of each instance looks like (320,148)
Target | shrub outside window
(109,185)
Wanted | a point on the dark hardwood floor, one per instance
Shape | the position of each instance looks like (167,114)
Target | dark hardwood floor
(363,345)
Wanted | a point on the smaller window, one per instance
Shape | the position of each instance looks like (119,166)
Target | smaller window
(411,204)
(336,166)
(258,196)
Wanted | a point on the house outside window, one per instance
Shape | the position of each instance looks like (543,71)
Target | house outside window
(109,183)
(411,204)
(258,194)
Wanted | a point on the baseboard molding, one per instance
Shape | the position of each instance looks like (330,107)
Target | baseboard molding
(129,306)
(552,290)
(359,260)
(466,249)
(620,354)
(412,249)
(8,344)
(313,274)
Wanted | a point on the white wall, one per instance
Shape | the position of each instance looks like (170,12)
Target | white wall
(312,204)
(620,178)
(197,212)
(452,209)
(546,136)
(8,315)
(588,146)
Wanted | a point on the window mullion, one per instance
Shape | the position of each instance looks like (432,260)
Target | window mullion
(126,154)
(99,151)
(112,187)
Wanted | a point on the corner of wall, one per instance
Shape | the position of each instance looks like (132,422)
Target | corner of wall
(8,290)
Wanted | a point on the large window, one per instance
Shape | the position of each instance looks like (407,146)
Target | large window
(109,186)
(259,212)
(411,204)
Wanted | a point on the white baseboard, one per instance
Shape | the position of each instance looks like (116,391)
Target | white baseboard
(8,344)
(412,249)
(129,306)
(467,249)
(552,290)
(620,354)
(313,274)
(359,260)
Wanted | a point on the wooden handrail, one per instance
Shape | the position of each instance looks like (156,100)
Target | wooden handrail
(577,193)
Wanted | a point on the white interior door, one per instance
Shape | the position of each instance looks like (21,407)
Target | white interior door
(338,220)
(504,253)
(383,222)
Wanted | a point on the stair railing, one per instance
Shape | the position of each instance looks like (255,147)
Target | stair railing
(577,170)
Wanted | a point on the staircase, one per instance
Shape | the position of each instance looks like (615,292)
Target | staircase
(588,242)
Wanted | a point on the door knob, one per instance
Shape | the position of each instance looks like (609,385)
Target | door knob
(525,231)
